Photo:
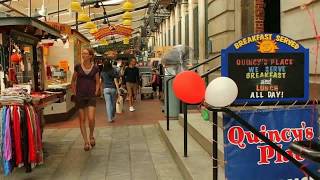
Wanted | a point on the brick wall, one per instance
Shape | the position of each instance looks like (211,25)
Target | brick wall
(259,16)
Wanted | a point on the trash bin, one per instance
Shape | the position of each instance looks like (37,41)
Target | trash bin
(174,103)
(176,61)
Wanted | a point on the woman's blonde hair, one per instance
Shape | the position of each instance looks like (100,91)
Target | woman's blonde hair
(90,51)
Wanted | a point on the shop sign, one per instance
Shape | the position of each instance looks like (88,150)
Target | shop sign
(110,30)
(63,28)
(267,67)
(248,157)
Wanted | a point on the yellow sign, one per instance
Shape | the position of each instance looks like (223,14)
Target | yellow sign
(267,46)
(265,42)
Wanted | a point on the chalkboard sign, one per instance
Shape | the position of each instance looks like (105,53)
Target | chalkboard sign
(267,67)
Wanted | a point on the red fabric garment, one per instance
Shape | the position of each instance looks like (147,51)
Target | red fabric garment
(17,135)
(37,134)
(39,139)
(12,75)
(32,149)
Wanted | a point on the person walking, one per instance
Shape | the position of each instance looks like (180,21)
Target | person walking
(109,80)
(86,85)
(131,76)
(154,82)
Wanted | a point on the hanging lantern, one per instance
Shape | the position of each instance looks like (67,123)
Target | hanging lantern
(83,17)
(127,15)
(90,25)
(126,40)
(75,6)
(15,58)
(127,22)
(104,42)
(94,30)
(128,6)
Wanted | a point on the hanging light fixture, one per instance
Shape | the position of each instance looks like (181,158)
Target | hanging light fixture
(128,6)
(75,6)
(94,30)
(84,17)
(126,40)
(127,15)
(90,25)
(127,22)
(104,42)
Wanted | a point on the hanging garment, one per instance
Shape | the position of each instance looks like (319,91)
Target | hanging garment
(24,139)
(7,148)
(17,136)
(2,117)
(38,139)
(32,151)
(3,122)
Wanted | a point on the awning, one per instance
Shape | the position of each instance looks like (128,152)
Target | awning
(29,24)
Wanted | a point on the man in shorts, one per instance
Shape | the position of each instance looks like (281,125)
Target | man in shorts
(131,76)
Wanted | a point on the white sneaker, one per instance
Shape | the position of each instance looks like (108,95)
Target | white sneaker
(131,109)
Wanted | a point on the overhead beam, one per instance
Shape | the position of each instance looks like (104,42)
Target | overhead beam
(114,14)
(13,9)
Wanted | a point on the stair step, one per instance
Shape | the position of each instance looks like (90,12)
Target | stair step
(198,164)
(201,131)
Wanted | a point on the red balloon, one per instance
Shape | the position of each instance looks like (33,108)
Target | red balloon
(189,87)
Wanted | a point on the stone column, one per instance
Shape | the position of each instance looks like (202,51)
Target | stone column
(183,22)
(177,19)
(160,34)
(171,28)
(202,30)
(191,31)
(167,32)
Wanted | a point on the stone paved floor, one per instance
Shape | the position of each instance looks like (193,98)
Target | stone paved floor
(130,149)
(147,112)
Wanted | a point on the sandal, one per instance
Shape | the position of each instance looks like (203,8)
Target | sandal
(92,141)
(87,147)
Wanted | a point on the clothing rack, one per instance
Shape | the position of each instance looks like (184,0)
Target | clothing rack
(21,142)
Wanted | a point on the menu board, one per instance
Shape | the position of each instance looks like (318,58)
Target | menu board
(278,75)
(267,67)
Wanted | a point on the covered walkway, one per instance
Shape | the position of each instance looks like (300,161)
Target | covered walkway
(129,149)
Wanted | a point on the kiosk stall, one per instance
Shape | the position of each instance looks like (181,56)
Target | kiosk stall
(22,90)
(59,62)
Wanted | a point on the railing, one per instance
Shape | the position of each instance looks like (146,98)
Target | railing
(171,78)
(237,118)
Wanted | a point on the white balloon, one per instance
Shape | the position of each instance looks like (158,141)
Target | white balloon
(221,92)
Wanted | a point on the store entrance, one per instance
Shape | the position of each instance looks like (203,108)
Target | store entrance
(272,16)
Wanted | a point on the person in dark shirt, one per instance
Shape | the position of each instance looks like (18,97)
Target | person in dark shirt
(86,85)
(109,78)
(161,73)
(131,76)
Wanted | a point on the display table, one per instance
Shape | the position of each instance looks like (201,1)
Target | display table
(43,99)
(64,108)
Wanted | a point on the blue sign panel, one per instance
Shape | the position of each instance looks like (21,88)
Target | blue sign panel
(267,67)
(247,157)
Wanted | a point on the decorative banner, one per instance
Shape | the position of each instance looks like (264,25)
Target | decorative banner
(250,158)
(267,67)
(63,28)
(110,30)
